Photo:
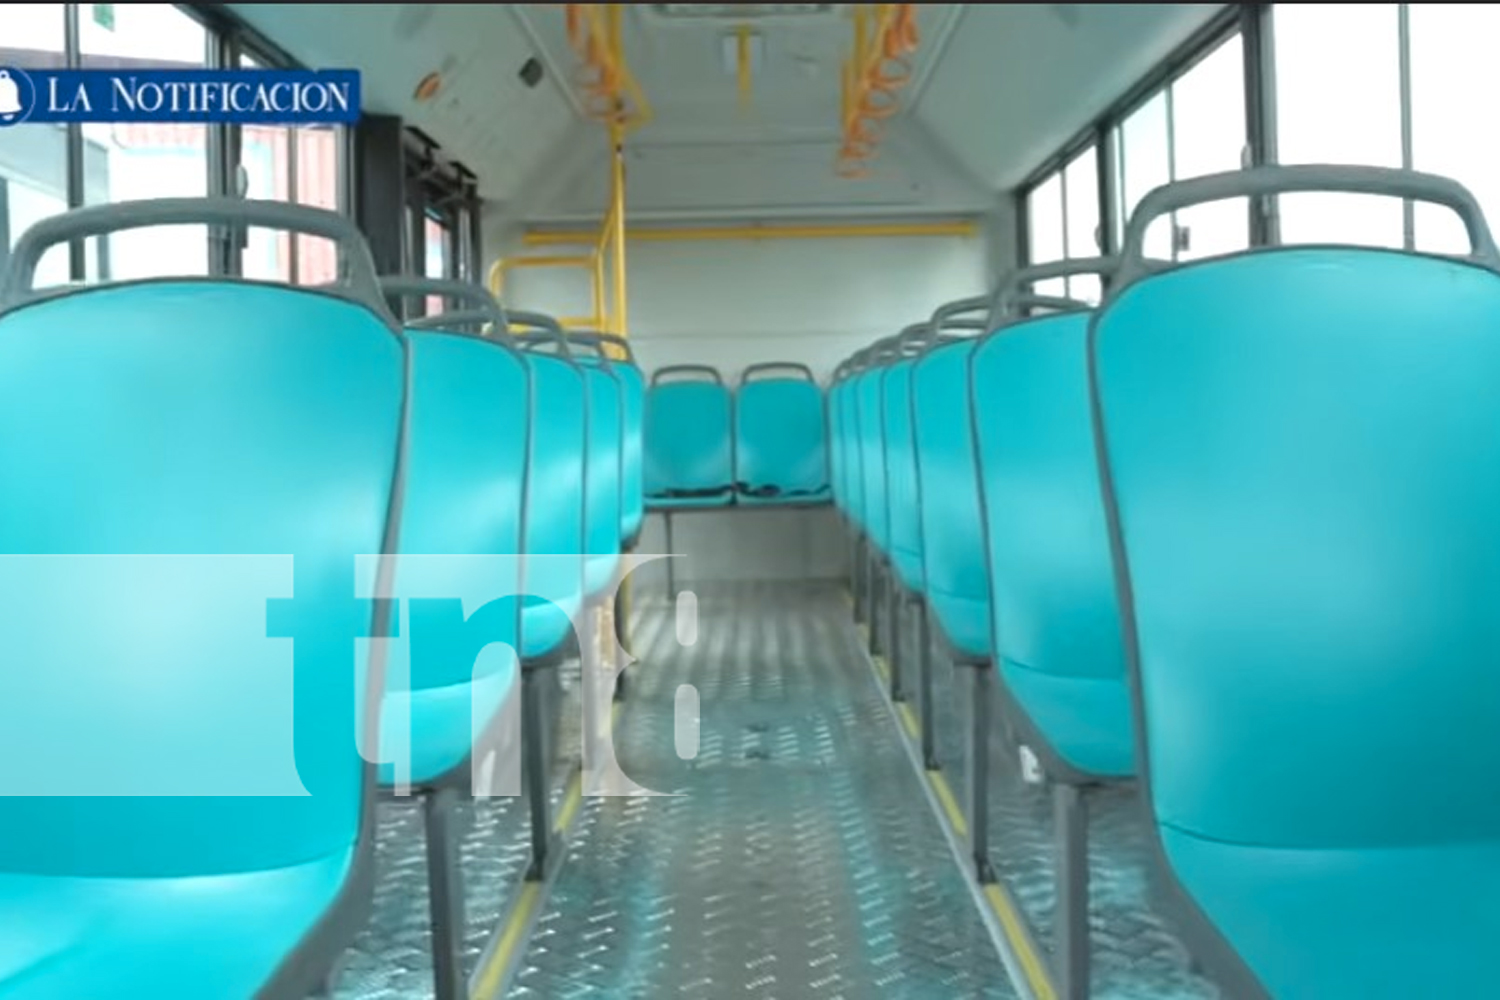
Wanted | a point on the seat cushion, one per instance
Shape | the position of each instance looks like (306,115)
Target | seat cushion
(681,503)
(163,938)
(818,496)
(1378,924)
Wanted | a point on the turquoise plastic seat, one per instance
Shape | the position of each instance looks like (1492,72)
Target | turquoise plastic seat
(836,464)
(614,352)
(853,445)
(689,446)
(781,449)
(955,572)
(1056,626)
(870,406)
(632,471)
(903,509)
(603,497)
(467,445)
(553,566)
(1305,469)
(209,458)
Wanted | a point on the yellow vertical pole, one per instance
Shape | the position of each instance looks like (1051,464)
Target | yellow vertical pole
(598,288)
(617,234)
(617,175)
(742,58)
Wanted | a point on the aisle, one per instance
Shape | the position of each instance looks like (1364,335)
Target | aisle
(799,859)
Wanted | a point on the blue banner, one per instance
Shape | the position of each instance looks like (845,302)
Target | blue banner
(248,96)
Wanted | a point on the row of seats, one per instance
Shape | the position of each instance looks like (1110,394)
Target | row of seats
(763,443)
(1231,537)
(199,469)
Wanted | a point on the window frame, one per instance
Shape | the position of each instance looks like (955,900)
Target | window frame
(1255,25)
(228,38)
(1247,23)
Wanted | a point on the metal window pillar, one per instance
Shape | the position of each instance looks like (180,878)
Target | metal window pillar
(1260,114)
(77,264)
(1408,207)
(379,198)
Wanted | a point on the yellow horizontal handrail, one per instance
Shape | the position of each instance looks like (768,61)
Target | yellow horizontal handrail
(565,237)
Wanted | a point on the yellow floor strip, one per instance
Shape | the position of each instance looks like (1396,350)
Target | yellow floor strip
(1031,963)
(949,802)
(1033,967)
(530,895)
(515,926)
(571,801)
(909,720)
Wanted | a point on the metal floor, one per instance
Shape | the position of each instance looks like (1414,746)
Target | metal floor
(392,958)
(799,859)
(1135,954)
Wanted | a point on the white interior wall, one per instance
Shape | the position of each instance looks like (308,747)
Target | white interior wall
(731,304)
(737,302)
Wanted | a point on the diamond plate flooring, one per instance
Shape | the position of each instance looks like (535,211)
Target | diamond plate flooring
(1135,954)
(392,958)
(797,858)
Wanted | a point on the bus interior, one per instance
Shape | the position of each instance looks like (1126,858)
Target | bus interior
(841,501)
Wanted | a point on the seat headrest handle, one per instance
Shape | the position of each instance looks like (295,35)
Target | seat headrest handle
(483,307)
(357,276)
(540,329)
(599,341)
(1014,293)
(1272,180)
(796,368)
(707,372)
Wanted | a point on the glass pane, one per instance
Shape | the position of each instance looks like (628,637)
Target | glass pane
(1081,189)
(1146,163)
(33,158)
(1046,240)
(265,156)
(1450,52)
(437,259)
(129,162)
(1338,100)
(318,168)
(1208,137)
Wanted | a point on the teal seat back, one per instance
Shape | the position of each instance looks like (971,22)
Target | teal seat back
(554,509)
(613,353)
(780,432)
(902,501)
(603,495)
(232,425)
(466,472)
(955,572)
(688,435)
(853,448)
(632,472)
(1056,625)
(1306,467)
(872,457)
(834,418)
